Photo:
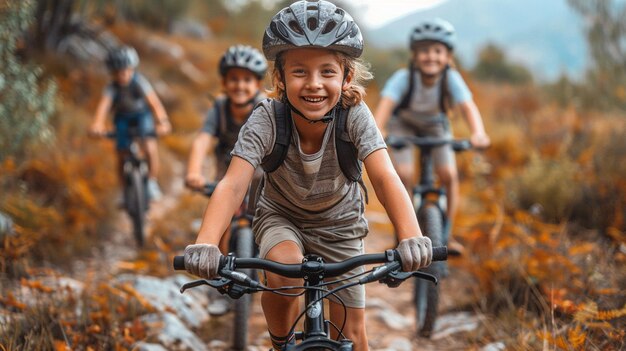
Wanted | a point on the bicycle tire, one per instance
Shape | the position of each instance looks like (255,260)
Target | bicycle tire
(244,248)
(426,294)
(136,204)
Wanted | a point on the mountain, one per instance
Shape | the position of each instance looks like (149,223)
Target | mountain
(544,35)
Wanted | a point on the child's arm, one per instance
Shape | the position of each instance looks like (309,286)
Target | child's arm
(158,111)
(202,258)
(202,144)
(392,194)
(226,199)
(415,249)
(98,127)
(479,137)
(383,112)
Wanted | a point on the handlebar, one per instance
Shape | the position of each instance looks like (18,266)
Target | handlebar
(399,142)
(300,270)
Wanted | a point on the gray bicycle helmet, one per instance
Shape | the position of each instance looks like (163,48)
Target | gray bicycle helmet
(435,29)
(243,56)
(121,58)
(308,23)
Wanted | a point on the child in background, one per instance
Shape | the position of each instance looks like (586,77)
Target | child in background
(242,69)
(308,205)
(134,104)
(419,98)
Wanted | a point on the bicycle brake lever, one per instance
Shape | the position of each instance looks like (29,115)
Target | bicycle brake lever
(425,276)
(394,279)
(214,283)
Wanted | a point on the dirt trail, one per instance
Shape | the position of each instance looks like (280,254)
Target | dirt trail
(396,302)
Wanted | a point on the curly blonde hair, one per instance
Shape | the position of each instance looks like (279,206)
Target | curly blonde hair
(357,69)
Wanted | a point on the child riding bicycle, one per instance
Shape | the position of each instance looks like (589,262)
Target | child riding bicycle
(242,69)
(419,98)
(310,202)
(134,104)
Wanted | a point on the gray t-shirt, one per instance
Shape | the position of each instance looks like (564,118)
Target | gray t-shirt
(310,189)
(425,100)
(130,98)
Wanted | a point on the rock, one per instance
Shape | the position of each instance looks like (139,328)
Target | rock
(143,346)
(6,226)
(161,46)
(170,332)
(164,295)
(400,344)
(190,28)
(449,324)
(393,319)
(494,346)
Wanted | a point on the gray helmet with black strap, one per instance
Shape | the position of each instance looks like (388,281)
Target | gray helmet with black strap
(121,58)
(309,23)
(243,56)
(436,29)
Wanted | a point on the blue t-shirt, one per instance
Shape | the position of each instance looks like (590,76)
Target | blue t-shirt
(425,100)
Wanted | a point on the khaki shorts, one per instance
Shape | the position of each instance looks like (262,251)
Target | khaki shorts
(434,127)
(272,229)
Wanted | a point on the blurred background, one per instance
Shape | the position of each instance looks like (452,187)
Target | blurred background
(542,212)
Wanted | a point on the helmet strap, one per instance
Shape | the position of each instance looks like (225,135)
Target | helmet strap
(326,119)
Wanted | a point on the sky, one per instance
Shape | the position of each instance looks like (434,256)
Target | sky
(376,13)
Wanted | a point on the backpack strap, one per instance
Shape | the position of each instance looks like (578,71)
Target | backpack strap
(347,153)
(406,99)
(222,118)
(443,94)
(283,138)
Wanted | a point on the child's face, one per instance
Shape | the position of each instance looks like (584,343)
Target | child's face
(431,57)
(314,79)
(240,85)
(123,76)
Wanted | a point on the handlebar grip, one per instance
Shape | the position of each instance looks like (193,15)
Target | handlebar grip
(179,263)
(440,253)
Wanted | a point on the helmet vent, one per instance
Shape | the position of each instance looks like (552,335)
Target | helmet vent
(295,27)
(312,23)
(340,12)
(329,27)
(354,32)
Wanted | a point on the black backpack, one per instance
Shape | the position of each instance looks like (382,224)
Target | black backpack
(406,99)
(346,151)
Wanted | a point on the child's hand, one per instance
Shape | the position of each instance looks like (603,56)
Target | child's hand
(163,127)
(415,253)
(195,180)
(202,260)
(480,140)
(97,130)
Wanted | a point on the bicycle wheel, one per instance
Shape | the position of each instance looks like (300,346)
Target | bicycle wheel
(426,294)
(136,204)
(244,248)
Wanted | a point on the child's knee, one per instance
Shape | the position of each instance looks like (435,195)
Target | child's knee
(447,175)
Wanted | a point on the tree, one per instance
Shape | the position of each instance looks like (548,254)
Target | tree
(25,107)
(494,66)
(606,35)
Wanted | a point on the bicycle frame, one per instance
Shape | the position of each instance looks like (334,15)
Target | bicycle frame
(433,219)
(135,177)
